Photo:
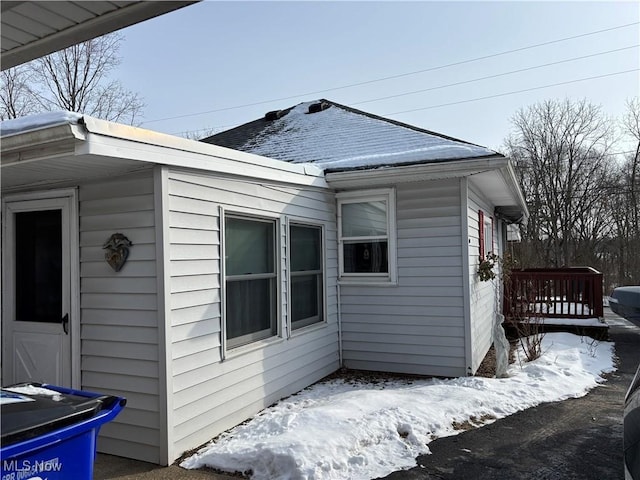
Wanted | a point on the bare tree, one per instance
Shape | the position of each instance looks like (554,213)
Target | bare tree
(631,126)
(200,133)
(561,153)
(77,79)
(16,98)
(625,204)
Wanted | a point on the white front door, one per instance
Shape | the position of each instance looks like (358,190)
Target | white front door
(37,308)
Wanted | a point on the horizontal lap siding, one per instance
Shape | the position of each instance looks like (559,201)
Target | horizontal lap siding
(417,326)
(211,395)
(119,314)
(483,294)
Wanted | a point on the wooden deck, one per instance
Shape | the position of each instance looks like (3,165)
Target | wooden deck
(562,299)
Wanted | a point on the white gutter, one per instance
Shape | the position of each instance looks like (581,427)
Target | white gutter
(411,173)
(46,142)
(509,174)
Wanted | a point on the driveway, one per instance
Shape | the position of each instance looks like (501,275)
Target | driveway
(574,439)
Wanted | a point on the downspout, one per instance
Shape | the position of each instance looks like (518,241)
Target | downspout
(339,324)
(338,292)
(466,276)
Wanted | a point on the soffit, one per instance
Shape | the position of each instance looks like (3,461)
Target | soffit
(65,169)
(32,29)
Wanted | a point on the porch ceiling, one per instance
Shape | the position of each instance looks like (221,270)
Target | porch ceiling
(36,28)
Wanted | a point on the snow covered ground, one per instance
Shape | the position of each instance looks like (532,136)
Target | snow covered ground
(346,430)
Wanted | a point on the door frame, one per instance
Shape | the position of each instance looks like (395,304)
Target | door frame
(70,196)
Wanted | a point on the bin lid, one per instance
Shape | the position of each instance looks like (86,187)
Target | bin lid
(27,415)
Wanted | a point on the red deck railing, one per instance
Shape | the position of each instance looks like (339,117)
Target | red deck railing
(574,292)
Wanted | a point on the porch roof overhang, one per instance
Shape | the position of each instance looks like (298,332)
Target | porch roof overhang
(493,175)
(36,28)
(90,149)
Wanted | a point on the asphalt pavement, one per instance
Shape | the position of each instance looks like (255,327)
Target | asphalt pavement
(574,439)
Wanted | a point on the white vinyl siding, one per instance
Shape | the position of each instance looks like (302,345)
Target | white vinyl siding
(119,333)
(213,389)
(416,326)
(483,296)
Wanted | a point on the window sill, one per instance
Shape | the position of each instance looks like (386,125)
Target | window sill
(240,350)
(370,281)
(309,329)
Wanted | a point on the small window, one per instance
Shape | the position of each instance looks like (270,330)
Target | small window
(307,284)
(251,280)
(488,235)
(485,227)
(366,230)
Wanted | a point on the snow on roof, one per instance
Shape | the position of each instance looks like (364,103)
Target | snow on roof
(40,120)
(339,137)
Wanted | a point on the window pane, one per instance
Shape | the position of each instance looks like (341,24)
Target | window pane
(366,257)
(39,266)
(306,299)
(249,246)
(488,238)
(250,308)
(365,219)
(305,245)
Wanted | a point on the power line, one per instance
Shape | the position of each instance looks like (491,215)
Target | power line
(473,99)
(510,93)
(495,76)
(367,82)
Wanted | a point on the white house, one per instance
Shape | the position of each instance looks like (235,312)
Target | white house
(205,283)
(433,204)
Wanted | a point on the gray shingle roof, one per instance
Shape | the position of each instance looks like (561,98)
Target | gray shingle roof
(337,138)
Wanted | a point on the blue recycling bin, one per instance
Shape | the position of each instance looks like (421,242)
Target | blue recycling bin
(50,432)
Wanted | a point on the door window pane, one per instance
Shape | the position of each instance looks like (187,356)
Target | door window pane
(38,266)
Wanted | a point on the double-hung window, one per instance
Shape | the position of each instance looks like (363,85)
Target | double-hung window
(251,289)
(306,275)
(366,229)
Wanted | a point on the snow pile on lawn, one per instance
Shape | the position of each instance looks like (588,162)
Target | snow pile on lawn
(343,430)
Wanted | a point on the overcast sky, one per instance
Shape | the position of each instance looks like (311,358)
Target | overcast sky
(218,57)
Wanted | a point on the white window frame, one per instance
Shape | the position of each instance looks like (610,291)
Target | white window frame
(252,338)
(387,195)
(488,235)
(322,272)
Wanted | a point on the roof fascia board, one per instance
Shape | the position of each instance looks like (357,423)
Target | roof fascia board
(412,173)
(156,139)
(509,175)
(245,165)
(102,24)
(48,142)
